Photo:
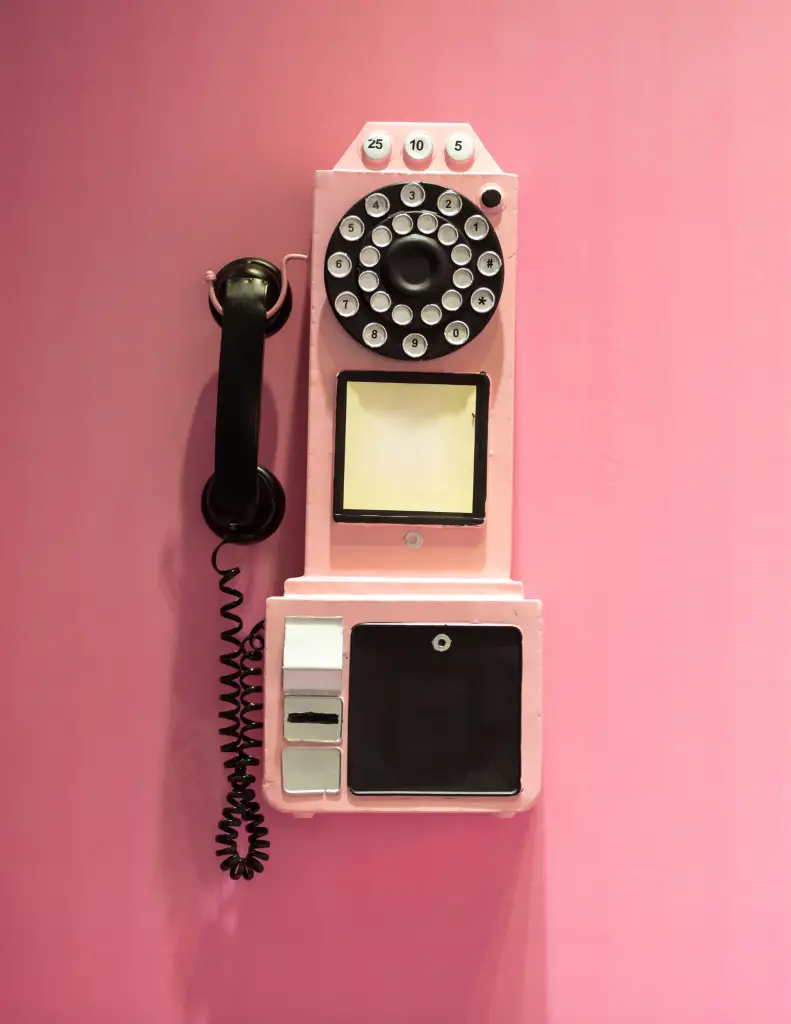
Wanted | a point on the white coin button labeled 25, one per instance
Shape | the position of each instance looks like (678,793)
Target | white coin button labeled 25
(418,147)
(459,147)
(377,146)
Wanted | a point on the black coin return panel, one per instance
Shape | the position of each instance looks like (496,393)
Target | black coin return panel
(434,710)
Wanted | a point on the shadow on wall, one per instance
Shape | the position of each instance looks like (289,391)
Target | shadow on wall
(361,919)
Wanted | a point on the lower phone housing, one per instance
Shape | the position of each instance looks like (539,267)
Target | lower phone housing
(407,695)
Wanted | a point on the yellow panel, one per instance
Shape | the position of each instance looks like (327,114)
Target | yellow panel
(409,447)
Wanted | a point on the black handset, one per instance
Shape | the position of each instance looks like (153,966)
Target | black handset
(242,503)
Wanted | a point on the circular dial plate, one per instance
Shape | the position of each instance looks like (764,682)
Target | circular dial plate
(415,270)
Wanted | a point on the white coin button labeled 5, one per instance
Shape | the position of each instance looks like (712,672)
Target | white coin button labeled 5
(459,148)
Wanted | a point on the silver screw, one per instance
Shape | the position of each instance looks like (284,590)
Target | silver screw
(441,642)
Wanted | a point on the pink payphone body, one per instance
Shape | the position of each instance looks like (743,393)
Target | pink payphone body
(402,671)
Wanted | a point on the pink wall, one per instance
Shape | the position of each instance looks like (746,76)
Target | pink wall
(654,514)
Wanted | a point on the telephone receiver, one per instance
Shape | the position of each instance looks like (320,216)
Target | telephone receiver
(243,502)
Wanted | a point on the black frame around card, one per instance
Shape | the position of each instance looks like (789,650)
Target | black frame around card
(477,516)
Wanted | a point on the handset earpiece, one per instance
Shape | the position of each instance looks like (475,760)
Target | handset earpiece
(243,502)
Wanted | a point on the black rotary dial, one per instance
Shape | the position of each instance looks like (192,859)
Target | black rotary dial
(414,271)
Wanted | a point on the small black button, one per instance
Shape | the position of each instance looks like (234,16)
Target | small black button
(491,197)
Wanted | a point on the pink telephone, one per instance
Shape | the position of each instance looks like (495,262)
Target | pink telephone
(402,670)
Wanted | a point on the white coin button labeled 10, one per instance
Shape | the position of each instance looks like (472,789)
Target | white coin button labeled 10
(418,147)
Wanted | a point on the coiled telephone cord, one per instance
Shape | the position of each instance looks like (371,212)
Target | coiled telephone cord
(241,695)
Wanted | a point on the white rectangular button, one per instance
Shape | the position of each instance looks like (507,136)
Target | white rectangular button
(312,680)
(312,718)
(313,642)
(311,770)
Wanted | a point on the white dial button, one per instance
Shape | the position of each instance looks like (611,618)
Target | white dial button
(401,315)
(457,332)
(339,265)
(377,205)
(449,204)
(412,194)
(380,302)
(476,227)
(415,345)
(374,335)
(369,256)
(431,315)
(402,223)
(482,300)
(427,223)
(451,300)
(352,229)
(381,236)
(462,277)
(368,281)
(347,304)
(447,234)
(461,254)
(489,264)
